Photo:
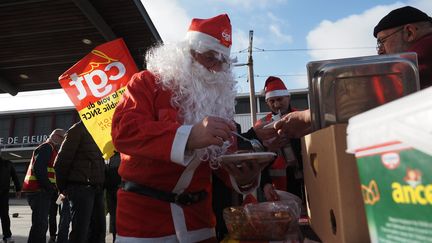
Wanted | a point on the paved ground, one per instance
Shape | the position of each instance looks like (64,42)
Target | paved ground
(20,226)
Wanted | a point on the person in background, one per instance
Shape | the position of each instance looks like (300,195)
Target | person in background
(7,171)
(80,171)
(285,173)
(407,29)
(112,184)
(40,184)
(65,219)
(170,127)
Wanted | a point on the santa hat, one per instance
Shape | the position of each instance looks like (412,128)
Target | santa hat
(274,87)
(210,34)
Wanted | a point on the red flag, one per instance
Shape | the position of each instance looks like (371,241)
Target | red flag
(95,84)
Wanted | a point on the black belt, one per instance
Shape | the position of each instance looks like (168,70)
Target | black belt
(182,199)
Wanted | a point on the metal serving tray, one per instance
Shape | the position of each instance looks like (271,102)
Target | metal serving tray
(342,88)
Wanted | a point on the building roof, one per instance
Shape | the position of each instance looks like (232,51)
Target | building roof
(40,39)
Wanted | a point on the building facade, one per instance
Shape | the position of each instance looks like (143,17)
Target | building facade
(22,131)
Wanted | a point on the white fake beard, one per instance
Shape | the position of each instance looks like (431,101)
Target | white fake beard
(197,92)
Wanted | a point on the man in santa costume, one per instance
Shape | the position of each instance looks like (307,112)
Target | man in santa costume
(171,126)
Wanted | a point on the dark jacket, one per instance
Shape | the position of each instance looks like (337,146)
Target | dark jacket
(6,172)
(42,156)
(292,181)
(79,160)
(112,177)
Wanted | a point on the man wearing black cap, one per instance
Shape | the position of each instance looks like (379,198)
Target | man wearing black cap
(407,29)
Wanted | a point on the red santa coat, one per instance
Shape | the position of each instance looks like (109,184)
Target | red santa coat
(151,139)
(278,167)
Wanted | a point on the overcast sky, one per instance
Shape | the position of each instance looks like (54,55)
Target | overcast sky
(287,35)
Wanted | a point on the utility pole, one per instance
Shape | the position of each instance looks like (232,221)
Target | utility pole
(251,80)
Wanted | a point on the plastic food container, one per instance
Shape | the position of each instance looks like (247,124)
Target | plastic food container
(262,221)
(393,147)
(342,88)
(238,224)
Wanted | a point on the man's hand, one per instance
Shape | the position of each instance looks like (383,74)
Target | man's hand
(270,137)
(210,131)
(18,194)
(264,133)
(295,124)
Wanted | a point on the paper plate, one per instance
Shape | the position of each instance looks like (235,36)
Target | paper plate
(260,157)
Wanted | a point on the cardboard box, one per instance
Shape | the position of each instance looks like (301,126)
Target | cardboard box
(333,189)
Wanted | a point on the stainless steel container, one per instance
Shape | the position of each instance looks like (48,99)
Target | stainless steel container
(342,88)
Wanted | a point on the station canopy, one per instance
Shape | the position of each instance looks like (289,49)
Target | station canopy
(40,39)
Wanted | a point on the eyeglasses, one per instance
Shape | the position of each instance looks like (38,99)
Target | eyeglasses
(212,60)
(215,57)
(381,41)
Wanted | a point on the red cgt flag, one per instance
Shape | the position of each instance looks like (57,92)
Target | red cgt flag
(95,85)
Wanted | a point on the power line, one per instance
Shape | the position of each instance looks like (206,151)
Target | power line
(293,50)
(305,49)
(277,75)
(282,75)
